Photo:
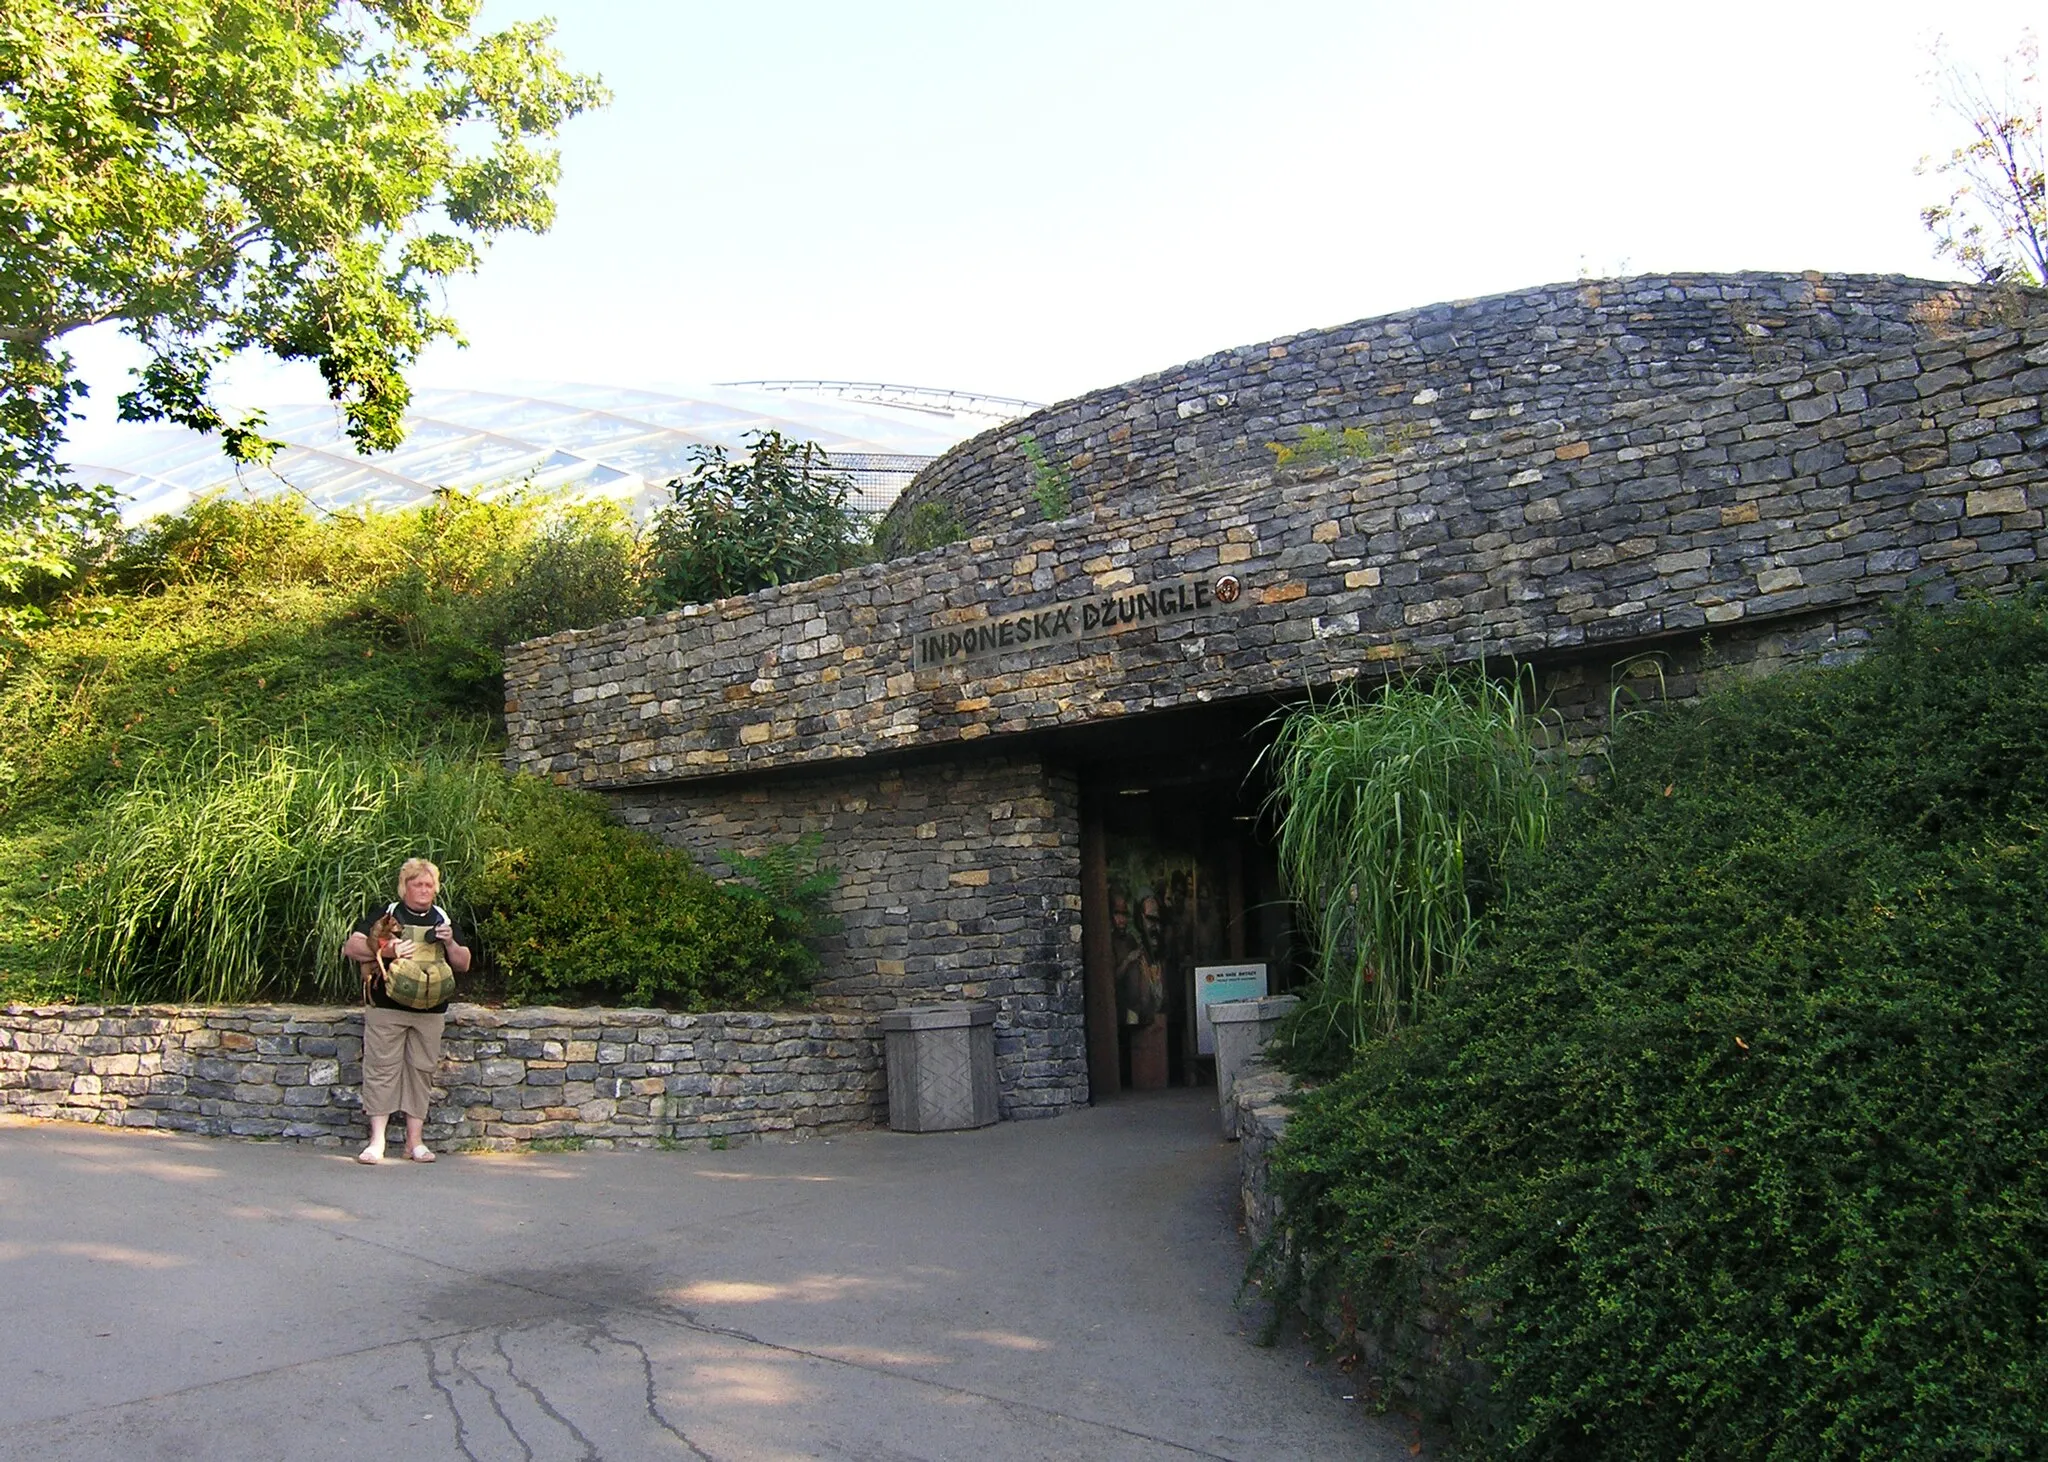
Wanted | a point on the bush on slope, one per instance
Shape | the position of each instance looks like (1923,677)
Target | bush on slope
(1732,1141)
(216,747)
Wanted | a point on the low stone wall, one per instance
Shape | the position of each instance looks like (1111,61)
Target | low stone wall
(1400,1357)
(605,1078)
(1263,1097)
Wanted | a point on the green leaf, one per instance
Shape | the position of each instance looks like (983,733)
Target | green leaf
(226,175)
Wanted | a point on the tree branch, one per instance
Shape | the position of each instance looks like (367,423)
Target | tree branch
(44,331)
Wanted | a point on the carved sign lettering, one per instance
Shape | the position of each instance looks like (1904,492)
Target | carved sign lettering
(1075,619)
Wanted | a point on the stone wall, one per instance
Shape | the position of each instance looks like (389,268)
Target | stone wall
(956,881)
(1599,481)
(1400,1349)
(606,1078)
(1562,528)
(1263,1096)
(1554,349)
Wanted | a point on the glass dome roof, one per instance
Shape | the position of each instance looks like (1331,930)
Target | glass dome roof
(585,439)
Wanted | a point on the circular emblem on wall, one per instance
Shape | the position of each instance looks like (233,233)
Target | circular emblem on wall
(1227,589)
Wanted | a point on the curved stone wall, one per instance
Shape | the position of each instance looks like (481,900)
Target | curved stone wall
(1806,492)
(1556,350)
(1610,493)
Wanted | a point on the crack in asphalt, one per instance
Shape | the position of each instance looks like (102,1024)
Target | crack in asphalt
(447,1393)
(654,1411)
(540,1399)
(491,1392)
(665,1315)
(675,1315)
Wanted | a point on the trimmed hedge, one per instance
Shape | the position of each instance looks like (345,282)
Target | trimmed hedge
(1733,1138)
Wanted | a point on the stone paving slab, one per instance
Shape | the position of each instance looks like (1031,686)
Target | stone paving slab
(1031,1290)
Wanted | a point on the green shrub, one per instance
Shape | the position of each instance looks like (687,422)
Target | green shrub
(462,577)
(1052,486)
(777,517)
(928,525)
(575,908)
(264,541)
(789,881)
(1731,1139)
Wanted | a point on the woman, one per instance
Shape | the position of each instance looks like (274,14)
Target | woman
(402,1040)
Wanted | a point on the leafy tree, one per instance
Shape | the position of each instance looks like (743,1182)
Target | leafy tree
(1995,222)
(227,175)
(734,527)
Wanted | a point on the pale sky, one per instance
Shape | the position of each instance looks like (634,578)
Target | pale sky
(1037,200)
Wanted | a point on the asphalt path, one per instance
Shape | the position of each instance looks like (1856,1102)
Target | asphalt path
(1061,1289)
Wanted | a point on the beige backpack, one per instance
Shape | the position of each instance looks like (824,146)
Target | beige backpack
(423,979)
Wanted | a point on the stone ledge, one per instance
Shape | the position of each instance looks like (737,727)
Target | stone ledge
(508,1077)
(1264,1098)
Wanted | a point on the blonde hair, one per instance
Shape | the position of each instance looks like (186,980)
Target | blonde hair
(411,868)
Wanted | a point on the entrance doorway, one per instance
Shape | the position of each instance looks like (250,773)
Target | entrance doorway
(1175,874)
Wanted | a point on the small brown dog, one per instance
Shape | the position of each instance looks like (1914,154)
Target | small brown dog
(384,936)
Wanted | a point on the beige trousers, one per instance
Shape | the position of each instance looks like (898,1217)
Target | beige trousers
(401,1052)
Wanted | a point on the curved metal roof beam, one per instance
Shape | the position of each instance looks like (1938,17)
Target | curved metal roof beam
(400,472)
(645,429)
(777,419)
(887,393)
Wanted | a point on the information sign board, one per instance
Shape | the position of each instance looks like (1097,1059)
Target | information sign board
(1214,983)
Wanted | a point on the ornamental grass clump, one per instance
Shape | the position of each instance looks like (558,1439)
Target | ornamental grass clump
(228,875)
(1398,812)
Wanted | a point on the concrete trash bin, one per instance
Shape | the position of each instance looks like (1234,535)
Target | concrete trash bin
(941,1061)
(1242,1029)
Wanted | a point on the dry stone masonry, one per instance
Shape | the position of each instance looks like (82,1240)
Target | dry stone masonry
(610,1078)
(956,882)
(1743,469)
(1558,349)
(1553,519)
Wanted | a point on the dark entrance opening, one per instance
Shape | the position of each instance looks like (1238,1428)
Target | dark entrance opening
(1177,872)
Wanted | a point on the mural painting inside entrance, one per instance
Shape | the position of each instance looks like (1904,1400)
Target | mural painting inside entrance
(1163,915)
(1175,876)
